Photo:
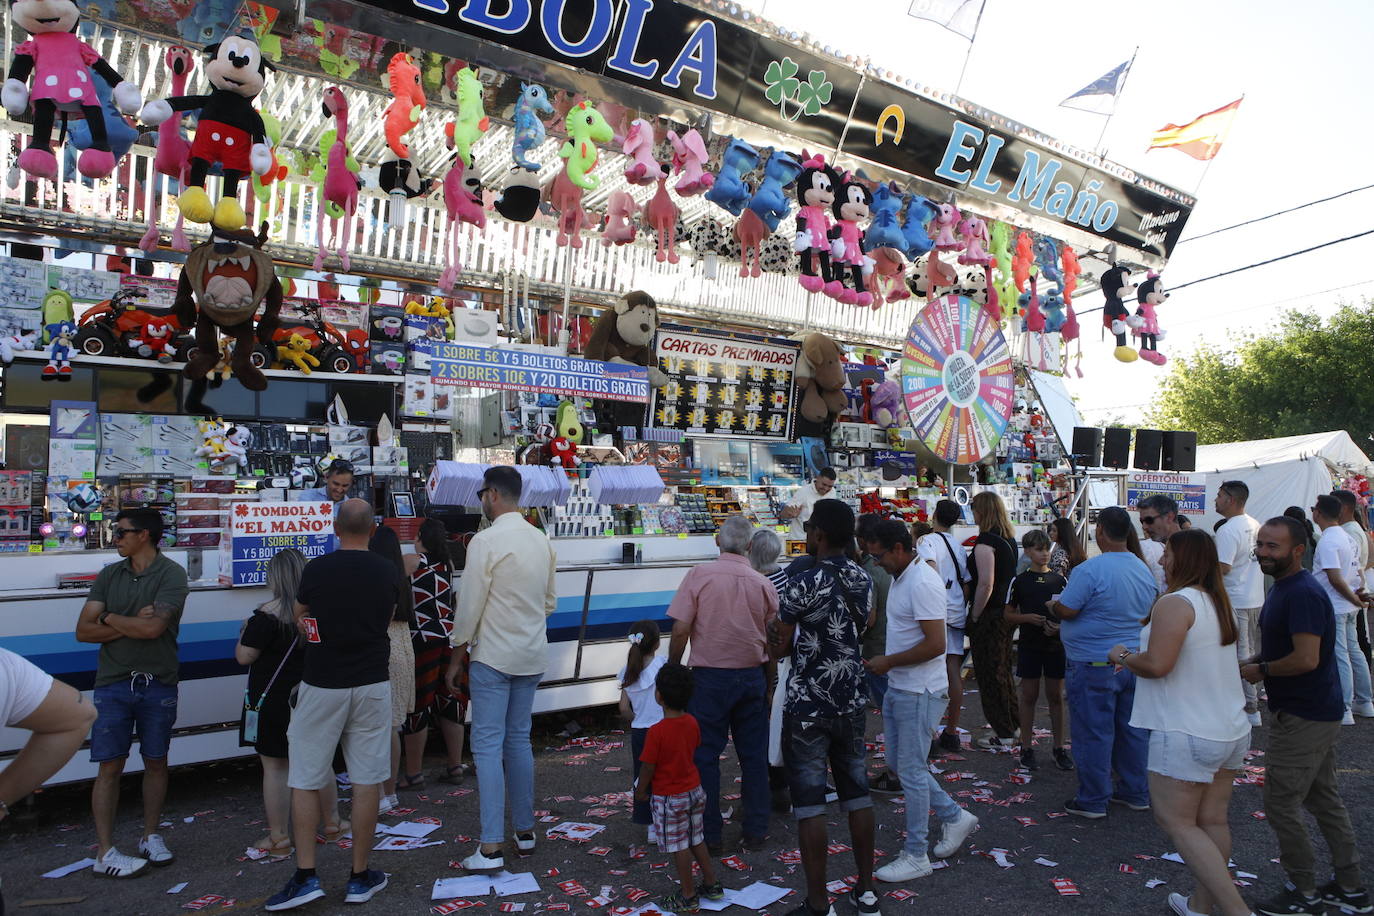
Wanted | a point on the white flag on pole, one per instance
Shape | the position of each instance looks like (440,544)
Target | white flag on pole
(959,16)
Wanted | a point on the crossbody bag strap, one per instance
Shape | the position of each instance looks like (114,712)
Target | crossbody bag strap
(262,696)
(958,567)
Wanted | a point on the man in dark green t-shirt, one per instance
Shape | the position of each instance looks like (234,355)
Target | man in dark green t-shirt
(133,611)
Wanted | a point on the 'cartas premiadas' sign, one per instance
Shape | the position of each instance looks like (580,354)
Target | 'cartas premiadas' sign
(521,370)
(258,530)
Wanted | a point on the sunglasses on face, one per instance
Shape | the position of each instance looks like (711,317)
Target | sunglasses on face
(1148,519)
(119,533)
(483,491)
(339,466)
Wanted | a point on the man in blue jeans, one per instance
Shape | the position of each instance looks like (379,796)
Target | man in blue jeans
(916,696)
(1106,599)
(724,608)
(133,611)
(501,625)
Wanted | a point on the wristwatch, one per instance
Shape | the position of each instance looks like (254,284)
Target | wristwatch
(101,619)
(1123,655)
(1264,669)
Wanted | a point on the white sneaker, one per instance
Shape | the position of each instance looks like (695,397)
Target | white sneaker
(1364,710)
(1179,904)
(1255,720)
(955,835)
(115,864)
(386,804)
(525,845)
(905,867)
(1349,718)
(155,850)
(479,861)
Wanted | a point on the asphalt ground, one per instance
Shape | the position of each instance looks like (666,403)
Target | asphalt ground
(214,812)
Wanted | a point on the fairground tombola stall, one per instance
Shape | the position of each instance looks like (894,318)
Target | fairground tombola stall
(668,259)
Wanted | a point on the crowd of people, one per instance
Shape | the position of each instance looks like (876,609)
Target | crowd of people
(1162,649)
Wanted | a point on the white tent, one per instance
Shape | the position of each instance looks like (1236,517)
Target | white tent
(1283,472)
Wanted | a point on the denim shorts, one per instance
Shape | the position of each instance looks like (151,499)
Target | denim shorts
(141,703)
(1191,759)
(954,640)
(808,744)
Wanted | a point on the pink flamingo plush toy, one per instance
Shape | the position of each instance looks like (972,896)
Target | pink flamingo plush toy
(173,157)
(566,198)
(340,181)
(463,204)
(661,213)
(620,213)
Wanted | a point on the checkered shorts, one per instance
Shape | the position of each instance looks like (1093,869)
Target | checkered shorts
(678,820)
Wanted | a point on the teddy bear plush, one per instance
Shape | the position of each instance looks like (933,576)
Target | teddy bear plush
(820,385)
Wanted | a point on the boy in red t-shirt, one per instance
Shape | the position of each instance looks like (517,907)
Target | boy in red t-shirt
(679,803)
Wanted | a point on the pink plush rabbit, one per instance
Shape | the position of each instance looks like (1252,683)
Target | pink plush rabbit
(689,160)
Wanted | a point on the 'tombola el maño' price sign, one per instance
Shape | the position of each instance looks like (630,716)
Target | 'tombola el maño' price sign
(257,531)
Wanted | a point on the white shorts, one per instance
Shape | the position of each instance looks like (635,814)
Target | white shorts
(1191,759)
(358,718)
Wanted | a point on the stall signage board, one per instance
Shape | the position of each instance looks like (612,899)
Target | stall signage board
(258,530)
(720,65)
(725,386)
(1187,489)
(472,366)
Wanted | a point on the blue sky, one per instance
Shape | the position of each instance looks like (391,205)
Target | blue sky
(1304,132)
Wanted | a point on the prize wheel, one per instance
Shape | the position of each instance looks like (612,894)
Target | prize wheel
(957,381)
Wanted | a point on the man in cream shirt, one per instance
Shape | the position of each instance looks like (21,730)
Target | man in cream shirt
(1241,575)
(504,600)
(798,508)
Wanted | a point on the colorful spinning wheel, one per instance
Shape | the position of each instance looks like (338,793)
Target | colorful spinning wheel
(957,379)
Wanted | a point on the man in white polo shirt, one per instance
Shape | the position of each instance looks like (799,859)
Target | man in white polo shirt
(798,508)
(1241,575)
(1338,573)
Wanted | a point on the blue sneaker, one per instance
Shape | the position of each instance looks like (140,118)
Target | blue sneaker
(295,894)
(361,890)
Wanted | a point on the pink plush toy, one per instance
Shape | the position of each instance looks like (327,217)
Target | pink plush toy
(463,203)
(689,160)
(661,214)
(975,233)
(946,218)
(173,157)
(566,198)
(639,146)
(340,181)
(620,215)
(1068,263)
(889,276)
(64,70)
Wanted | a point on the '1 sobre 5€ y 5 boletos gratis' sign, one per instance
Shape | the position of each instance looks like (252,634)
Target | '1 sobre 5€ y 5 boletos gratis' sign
(551,373)
(257,531)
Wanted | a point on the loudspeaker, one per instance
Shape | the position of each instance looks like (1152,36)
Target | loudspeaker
(1087,446)
(1148,444)
(1180,451)
(1116,448)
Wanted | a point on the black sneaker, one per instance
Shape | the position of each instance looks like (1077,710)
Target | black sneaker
(712,891)
(867,903)
(1356,901)
(885,784)
(949,741)
(1292,902)
(1028,759)
(754,843)
(1073,807)
(1062,759)
(805,910)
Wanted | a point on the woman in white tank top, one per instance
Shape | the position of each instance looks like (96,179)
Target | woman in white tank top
(1189,696)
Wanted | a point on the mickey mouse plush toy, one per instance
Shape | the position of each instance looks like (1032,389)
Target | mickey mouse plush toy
(1117,289)
(230,131)
(64,69)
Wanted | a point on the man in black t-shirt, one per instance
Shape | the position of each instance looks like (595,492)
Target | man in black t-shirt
(1297,664)
(343,607)
(1040,652)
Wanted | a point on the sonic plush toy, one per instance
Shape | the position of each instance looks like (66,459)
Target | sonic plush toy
(62,334)
(230,132)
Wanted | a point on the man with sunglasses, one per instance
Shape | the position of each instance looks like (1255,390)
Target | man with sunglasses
(133,611)
(338,480)
(1158,519)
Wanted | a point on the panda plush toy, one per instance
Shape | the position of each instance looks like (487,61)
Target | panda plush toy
(230,132)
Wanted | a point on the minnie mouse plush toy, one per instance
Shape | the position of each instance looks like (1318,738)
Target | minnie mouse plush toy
(230,131)
(1149,295)
(816,194)
(63,68)
(851,205)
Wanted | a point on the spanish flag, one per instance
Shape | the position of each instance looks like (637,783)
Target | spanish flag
(1201,137)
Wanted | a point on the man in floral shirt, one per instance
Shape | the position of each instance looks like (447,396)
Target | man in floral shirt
(825,605)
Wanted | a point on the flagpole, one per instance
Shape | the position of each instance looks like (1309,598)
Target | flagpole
(1208,167)
(967,54)
(1116,100)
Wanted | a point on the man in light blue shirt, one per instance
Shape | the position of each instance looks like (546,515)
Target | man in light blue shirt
(338,480)
(1104,603)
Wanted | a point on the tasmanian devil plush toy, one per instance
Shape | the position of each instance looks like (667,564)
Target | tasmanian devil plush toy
(230,131)
(224,282)
(64,69)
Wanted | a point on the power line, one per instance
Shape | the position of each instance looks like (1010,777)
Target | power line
(1266,305)
(1260,219)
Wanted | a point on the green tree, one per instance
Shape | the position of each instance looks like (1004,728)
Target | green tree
(1305,375)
